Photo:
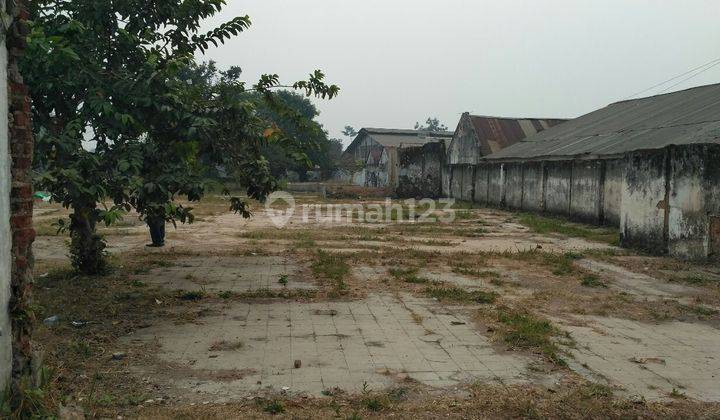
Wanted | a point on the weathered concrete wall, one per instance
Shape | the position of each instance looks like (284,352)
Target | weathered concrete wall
(433,157)
(481,184)
(5,233)
(456,182)
(468,182)
(496,185)
(446,175)
(557,187)
(612,191)
(464,149)
(420,171)
(378,172)
(663,201)
(642,219)
(533,186)
(694,200)
(514,185)
(586,191)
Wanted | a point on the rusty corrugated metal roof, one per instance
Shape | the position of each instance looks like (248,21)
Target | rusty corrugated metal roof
(497,133)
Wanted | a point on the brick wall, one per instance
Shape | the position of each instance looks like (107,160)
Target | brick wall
(21,205)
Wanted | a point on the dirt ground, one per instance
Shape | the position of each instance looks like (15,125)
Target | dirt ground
(486,316)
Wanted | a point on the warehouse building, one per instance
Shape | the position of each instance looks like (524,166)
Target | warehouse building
(478,136)
(406,163)
(649,166)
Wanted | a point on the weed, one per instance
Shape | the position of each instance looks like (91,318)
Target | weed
(135,399)
(457,294)
(408,275)
(704,310)
(274,407)
(191,295)
(592,281)
(226,294)
(374,404)
(525,331)
(283,280)
(597,390)
(105,400)
(81,348)
(26,401)
(332,267)
(560,264)
(497,282)
(138,283)
(468,271)
(463,215)
(676,393)
(696,280)
(265,293)
(398,394)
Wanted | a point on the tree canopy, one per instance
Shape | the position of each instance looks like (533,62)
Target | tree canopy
(432,124)
(123,116)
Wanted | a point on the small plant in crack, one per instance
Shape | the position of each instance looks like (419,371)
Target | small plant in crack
(283,280)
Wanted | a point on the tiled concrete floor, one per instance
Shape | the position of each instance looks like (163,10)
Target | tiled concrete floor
(651,359)
(233,273)
(340,344)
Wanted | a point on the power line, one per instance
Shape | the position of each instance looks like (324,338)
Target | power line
(690,77)
(712,64)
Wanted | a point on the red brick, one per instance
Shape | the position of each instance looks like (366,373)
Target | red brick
(21,119)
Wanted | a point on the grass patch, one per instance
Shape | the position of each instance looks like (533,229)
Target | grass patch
(332,267)
(456,294)
(696,280)
(408,275)
(704,310)
(283,280)
(597,391)
(561,264)
(266,293)
(191,295)
(544,225)
(274,407)
(469,271)
(525,331)
(591,280)
(464,215)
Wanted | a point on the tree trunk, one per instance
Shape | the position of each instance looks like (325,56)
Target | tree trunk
(87,248)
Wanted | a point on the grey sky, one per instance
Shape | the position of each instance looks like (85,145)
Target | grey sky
(400,61)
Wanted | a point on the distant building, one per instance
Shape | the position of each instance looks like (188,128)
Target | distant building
(373,159)
(478,136)
(650,166)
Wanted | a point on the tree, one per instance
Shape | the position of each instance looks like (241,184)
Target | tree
(433,125)
(111,74)
(349,131)
(319,152)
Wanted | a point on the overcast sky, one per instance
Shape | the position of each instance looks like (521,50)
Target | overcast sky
(400,61)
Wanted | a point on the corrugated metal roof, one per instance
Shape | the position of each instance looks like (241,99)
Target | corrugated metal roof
(497,133)
(388,137)
(685,117)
